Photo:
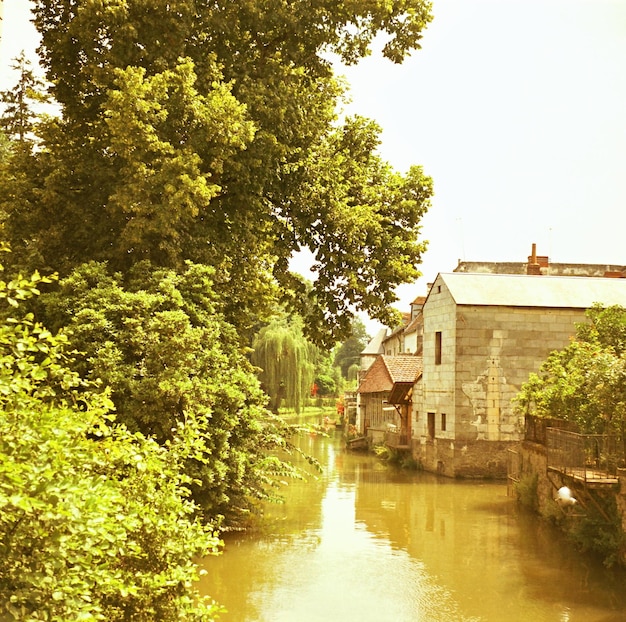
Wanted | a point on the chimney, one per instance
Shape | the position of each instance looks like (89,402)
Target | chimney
(533,266)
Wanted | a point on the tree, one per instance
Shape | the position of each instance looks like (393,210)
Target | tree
(208,132)
(287,362)
(349,353)
(155,340)
(586,381)
(96,522)
(19,115)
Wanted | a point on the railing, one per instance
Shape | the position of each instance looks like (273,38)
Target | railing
(535,427)
(584,456)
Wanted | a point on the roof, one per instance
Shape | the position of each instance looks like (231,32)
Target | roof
(387,371)
(403,367)
(414,323)
(375,344)
(516,290)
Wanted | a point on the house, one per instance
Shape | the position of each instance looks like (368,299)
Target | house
(393,343)
(372,351)
(483,334)
(385,399)
(413,331)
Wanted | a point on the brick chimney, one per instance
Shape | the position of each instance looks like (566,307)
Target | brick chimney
(533,266)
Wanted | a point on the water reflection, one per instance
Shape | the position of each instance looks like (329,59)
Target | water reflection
(368,543)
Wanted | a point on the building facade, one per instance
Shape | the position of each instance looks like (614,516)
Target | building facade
(483,334)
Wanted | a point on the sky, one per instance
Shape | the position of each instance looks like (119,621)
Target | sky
(515,108)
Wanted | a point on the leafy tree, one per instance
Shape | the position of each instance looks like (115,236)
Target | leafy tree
(349,353)
(208,131)
(155,339)
(326,385)
(586,381)
(287,362)
(19,116)
(95,521)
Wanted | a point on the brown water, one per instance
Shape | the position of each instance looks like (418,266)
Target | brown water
(370,543)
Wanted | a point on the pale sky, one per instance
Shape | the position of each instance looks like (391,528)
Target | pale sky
(516,108)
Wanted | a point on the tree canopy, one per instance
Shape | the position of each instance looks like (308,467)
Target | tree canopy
(585,382)
(197,147)
(208,131)
(287,362)
(154,339)
(96,522)
(349,353)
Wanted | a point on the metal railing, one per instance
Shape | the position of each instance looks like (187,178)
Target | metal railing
(584,456)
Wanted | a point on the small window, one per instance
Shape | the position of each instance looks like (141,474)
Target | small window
(438,348)
(431,425)
(443,422)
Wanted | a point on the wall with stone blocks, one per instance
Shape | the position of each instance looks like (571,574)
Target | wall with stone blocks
(474,460)
(496,350)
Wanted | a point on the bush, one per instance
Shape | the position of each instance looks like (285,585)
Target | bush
(95,521)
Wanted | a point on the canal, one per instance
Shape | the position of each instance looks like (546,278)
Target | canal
(366,542)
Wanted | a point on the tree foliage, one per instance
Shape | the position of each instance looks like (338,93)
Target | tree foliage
(586,381)
(349,352)
(197,147)
(209,132)
(96,522)
(155,339)
(19,115)
(287,362)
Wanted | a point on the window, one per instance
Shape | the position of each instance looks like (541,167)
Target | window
(443,422)
(438,348)
(431,425)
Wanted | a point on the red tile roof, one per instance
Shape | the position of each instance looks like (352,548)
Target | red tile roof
(389,370)
(404,367)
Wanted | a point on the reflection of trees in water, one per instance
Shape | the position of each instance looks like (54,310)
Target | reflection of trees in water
(447,550)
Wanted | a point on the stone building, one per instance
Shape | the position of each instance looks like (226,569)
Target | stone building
(483,334)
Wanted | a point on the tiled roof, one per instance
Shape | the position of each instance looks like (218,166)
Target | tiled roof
(414,323)
(389,370)
(403,367)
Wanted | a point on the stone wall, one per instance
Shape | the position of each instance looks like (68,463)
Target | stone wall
(438,378)
(487,353)
(496,350)
(473,460)
(530,462)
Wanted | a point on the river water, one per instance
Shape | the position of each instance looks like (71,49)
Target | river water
(366,542)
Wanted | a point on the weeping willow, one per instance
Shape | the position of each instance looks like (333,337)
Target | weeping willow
(287,363)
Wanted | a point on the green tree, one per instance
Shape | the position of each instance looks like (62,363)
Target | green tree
(286,360)
(586,381)
(96,522)
(19,113)
(208,131)
(155,340)
(349,353)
